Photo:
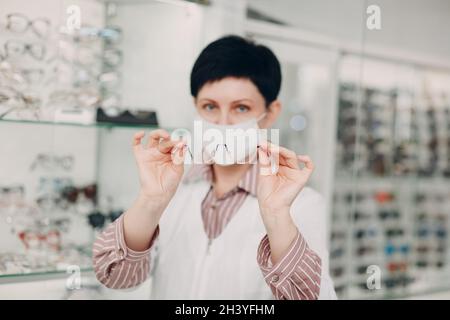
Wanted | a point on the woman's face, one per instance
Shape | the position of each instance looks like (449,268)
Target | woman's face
(234,100)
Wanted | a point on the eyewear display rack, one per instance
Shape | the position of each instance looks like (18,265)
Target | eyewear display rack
(34,259)
(391,205)
(52,202)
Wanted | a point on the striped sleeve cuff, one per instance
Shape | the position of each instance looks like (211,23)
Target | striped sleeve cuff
(297,275)
(117,266)
(122,250)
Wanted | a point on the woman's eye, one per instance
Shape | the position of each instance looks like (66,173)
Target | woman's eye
(242,108)
(209,107)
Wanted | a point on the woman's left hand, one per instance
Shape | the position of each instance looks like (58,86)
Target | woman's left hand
(277,190)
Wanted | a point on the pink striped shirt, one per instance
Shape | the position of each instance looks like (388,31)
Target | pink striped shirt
(296,276)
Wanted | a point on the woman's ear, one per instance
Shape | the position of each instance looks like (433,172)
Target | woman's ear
(273,110)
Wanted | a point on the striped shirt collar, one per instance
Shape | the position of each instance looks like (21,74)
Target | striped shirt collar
(248,183)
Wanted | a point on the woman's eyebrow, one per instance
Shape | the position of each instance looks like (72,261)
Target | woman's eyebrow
(234,101)
(241,100)
(207,99)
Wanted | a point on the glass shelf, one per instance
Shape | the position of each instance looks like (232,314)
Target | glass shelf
(15,277)
(38,262)
(43,272)
(107,125)
(85,144)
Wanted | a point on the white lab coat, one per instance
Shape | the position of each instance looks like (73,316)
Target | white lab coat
(185,267)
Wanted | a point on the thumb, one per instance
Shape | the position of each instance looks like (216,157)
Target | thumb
(265,167)
(178,154)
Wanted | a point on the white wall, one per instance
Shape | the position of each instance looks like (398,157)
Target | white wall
(412,25)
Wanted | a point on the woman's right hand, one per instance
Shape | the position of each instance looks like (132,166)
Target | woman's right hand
(160,165)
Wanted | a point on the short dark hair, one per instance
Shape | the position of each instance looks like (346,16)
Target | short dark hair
(234,56)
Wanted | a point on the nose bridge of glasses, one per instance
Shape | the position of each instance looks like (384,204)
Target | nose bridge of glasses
(221,146)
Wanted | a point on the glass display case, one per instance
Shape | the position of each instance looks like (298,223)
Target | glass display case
(391,206)
(56,151)
(55,196)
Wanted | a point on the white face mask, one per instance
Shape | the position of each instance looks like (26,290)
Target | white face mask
(230,144)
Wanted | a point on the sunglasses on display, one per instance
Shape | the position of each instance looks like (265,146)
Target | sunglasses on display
(397,267)
(24,103)
(78,98)
(51,162)
(98,219)
(365,233)
(365,250)
(12,196)
(15,48)
(382,197)
(38,240)
(337,272)
(362,269)
(388,214)
(392,233)
(109,34)
(337,253)
(360,216)
(51,203)
(422,217)
(87,55)
(391,249)
(72,193)
(421,264)
(425,232)
(19,23)
(399,281)
(20,78)
(13,189)
(52,185)
(359,197)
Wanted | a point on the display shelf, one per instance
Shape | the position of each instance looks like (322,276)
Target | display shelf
(41,273)
(83,143)
(391,202)
(39,276)
(96,149)
(101,125)
(39,261)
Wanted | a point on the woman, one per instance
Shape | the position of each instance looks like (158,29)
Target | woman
(227,231)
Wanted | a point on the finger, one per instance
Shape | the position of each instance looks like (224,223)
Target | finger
(137,138)
(156,136)
(264,145)
(165,146)
(265,166)
(264,158)
(309,165)
(286,157)
(269,155)
(178,153)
